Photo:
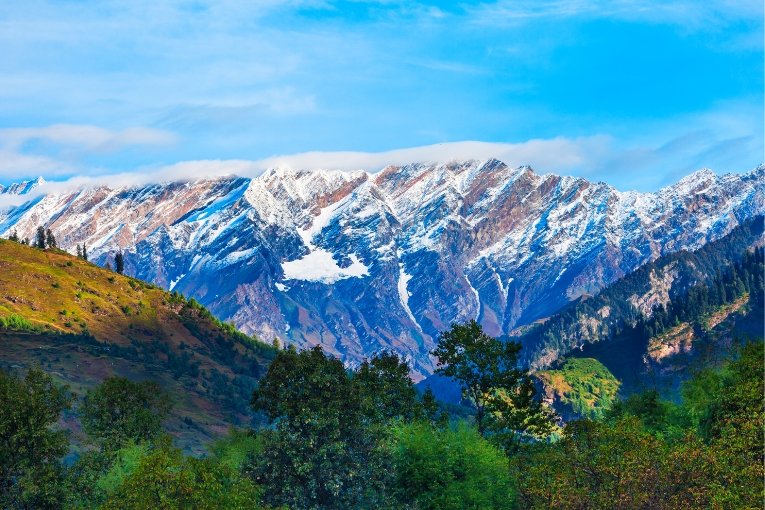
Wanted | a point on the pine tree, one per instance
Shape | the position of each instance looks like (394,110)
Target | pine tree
(50,240)
(40,241)
(79,252)
(119,263)
(14,237)
(84,252)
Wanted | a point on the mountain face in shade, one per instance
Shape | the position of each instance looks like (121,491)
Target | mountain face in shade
(360,262)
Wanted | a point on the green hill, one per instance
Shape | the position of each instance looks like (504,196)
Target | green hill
(82,323)
(580,387)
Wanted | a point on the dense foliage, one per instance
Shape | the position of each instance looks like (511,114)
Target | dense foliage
(120,411)
(364,439)
(31,446)
(450,468)
(327,448)
(488,373)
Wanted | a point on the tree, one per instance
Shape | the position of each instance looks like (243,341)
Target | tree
(453,468)
(733,422)
(14,236)
(120,411)
(84,252)
(40,241)
(385,389)
(320,453)
(79,252)
(613,465)
(31,474)
(50,239)
(164,478)
(119,262)
(432,411)
(487,370)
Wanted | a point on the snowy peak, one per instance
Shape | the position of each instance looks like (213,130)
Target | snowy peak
(23,187)
(359,262)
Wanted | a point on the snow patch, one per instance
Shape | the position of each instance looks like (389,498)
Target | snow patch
(403,292)
(175,282)
(320,266)
(477,298)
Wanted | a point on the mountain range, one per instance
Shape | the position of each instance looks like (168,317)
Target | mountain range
(359,262)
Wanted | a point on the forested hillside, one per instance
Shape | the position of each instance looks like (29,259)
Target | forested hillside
(636,297)
(118,395)
(339,439)
(691,331)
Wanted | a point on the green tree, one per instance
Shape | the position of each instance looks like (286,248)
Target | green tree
(320,453)
(119,262)
(84,252)
(733,422)
(50,239)
(487,370)
(452,468)
(599,465)
(14,236)
(31,474)
(432,411)
(165,479)
(40,240)
(120,411)
(385,389)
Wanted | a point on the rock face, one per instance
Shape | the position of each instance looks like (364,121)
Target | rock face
(360,262)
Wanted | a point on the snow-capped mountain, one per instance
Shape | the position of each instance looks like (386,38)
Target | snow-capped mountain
(21,188)
(360,262)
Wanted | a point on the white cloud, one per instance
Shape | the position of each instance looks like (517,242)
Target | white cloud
(557,153)
(56,148)
(92,138)
(560,154)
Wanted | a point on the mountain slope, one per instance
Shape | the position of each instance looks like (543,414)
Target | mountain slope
(694,331)
(619,306)
(648,330)
(83,323)
(360,262)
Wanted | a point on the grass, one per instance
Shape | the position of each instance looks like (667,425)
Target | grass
(585,384)
(15,322)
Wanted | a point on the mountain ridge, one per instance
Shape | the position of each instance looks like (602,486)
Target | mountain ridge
(361,262)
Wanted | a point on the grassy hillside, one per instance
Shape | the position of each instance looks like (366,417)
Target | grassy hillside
(83,323)
(579,387)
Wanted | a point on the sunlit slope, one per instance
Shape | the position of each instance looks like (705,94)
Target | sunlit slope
(82,323)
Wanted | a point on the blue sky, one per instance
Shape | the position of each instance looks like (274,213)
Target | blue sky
(637,93)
